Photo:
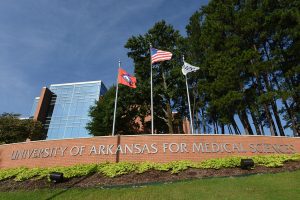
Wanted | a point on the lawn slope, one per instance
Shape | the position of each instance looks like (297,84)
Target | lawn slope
(261,186)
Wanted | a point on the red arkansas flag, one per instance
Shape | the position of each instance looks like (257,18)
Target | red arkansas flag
(126,79)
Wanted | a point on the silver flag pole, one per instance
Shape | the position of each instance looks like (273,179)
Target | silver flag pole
(116,100)
(188,95)
(152,114)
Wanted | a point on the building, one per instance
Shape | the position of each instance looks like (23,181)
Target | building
(180,126)
(63,108)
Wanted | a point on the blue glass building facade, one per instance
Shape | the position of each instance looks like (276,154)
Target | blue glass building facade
(34,106)
(68,110)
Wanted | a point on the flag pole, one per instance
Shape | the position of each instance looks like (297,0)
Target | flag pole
(188,95)
(116,100)
(152,114)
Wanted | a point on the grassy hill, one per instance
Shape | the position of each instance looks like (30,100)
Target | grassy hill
(261,186)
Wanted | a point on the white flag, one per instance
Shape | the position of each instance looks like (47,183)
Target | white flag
(186,68)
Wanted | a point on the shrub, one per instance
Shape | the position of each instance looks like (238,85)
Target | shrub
(117,169)
(145,166)
(10,173)
(26,174)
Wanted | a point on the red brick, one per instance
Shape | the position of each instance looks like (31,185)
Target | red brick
(67,160)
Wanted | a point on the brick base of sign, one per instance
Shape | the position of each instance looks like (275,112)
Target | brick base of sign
(139,148)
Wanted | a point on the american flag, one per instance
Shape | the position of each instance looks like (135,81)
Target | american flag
(159,55)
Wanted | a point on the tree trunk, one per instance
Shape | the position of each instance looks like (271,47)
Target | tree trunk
(222,128)
(198,125)
(195,114)
(269,87)
(270,120)
(293,119)
(169,118)
(215,127)
(273,105)
(292,84)
(255,122)
(169,115)
(288,109)
(229,129)
(235,126)
(266,108)
(245,122)
(262,128)
(277,118)
(203,121)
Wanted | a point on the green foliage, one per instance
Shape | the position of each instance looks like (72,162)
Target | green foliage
(117,169)
(275,160)
(34,129)
(102,113)
(229,162)
(178,166)
(248,54)
(162,167)
(10,173)
(168,91)
(26,174)
(168,81)
(77,170)
(145,166)
(13,129)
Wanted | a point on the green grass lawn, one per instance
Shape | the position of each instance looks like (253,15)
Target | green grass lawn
(268,186)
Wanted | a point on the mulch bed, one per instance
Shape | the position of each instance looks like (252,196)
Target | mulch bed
(132,179)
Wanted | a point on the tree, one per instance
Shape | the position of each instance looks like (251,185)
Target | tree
(126,114)
(248,53)
(13,129)
(221,55)
(167,77)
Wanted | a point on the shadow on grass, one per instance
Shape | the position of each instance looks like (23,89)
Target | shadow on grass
(153,183)
(175,181)
(69,187)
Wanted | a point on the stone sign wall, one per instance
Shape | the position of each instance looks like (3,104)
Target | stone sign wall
(155,148)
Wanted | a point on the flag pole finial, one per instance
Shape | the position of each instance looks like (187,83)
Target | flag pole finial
(183,58)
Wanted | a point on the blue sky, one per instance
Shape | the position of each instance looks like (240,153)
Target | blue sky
(59,41)
(45,42)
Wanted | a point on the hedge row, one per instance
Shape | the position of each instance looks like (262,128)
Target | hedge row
(116,169)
